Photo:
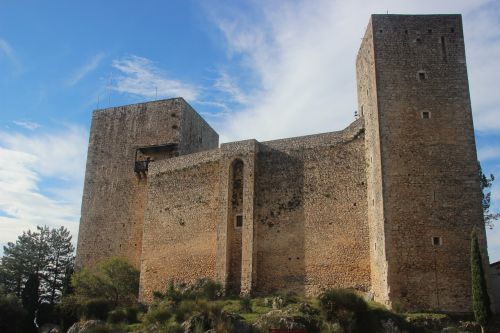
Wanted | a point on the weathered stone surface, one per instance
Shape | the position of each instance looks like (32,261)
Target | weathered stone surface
(85,326)
(385,206)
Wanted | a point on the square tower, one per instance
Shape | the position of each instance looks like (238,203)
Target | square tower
(424,196)
(123,142)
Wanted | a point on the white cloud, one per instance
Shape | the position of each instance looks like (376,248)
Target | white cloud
(27,124)
(488,153)
(7,51)
(302,55)
(228,86)
(140,76)
(83,71)
(41,177)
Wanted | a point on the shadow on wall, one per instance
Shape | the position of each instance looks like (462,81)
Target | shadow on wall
(279,211)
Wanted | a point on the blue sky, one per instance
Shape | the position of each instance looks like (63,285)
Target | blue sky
(253,69)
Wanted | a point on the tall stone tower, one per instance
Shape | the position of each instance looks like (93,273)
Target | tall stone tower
(423,186)
(123,142)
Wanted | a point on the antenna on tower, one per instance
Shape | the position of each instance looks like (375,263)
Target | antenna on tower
(98,102)
(156,92)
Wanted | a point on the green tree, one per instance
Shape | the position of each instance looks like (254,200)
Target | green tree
(59,263)
(480,298)
(113,279)
(47,253)
(486,183)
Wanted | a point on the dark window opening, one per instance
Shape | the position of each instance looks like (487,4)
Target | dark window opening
(437,241)
(426,115)
(380,30)
(239,221)
(175,127)
(406,32)
(452,29)
(422,76)
(429,31)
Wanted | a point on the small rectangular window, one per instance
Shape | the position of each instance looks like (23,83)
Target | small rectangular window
(422,76)
(437,241)
(426,115)
(239,221)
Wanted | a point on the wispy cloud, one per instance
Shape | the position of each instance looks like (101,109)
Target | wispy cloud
(41,177)
(7,51)
(86,69)
(140,76)
(489,153)
(230,88)
(301,55)
(30,125)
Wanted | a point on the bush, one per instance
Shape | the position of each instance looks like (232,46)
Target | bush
(96,309)
(127,315)
(113,279)
(200,289)
(246,304)
(334,301)
(117,316)
(345,307)
(68,311)
(158,314)
(12,314)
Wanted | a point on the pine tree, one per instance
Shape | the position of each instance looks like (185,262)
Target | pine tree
(48,253)
(480,298)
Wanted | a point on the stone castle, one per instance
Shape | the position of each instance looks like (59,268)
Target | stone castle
(385,206)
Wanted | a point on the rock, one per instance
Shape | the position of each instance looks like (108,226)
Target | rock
(278,303)
(84,326)
(197,320)
(307,309)
(390,326)
(368,296)
(49,328)
(277,319)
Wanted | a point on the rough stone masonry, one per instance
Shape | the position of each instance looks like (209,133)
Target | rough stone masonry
(385,206)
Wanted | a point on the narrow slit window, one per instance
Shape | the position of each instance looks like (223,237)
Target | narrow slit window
(239,221)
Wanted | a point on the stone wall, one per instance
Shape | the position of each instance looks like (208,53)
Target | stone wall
(310,213)
(180,227)
(431,194)
(368,110)
(115,196)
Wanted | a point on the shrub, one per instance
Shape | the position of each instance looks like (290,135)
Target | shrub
(345,307)
(117,316)
(246,304)
(67,311)
(159,314)
(127,315)
(96,309)
(113,279)
(334,301)
(201,288)
(12,314)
